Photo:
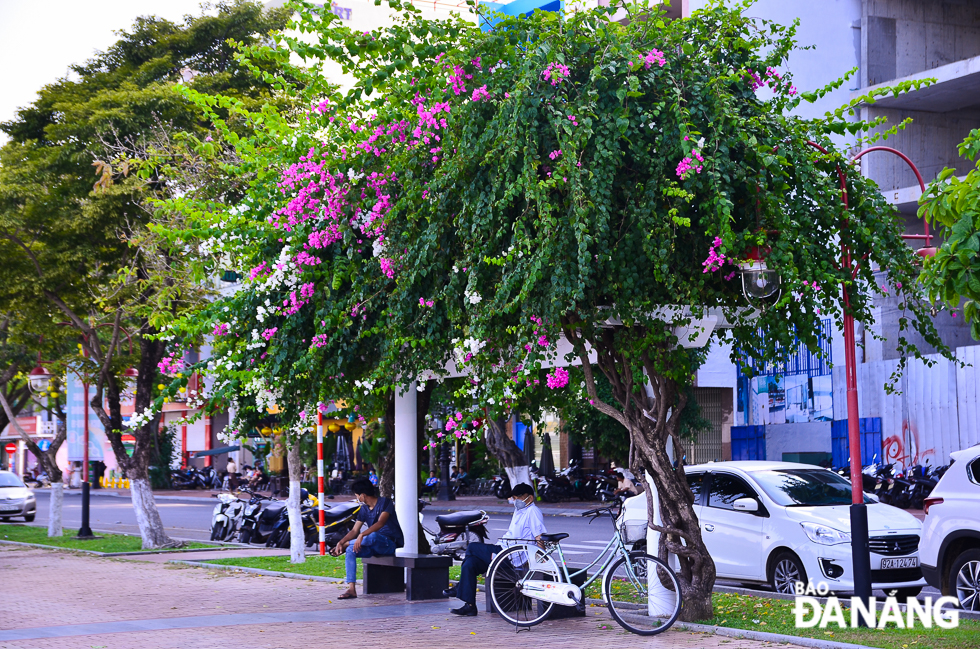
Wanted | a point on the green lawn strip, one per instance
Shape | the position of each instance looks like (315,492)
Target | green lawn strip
(315,565)
(776,616)
(106,542)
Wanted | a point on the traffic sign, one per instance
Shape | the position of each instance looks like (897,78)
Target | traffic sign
(44,445)
(11,448)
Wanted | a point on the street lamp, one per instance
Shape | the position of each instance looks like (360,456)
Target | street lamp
(39,378)
(756,280)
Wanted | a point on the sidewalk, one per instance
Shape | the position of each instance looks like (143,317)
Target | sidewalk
(56,600)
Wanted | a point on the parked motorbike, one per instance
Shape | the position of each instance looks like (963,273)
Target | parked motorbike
(456,531)
(501,487)
(257,522)
(280,536)
(189,478)
(226,517)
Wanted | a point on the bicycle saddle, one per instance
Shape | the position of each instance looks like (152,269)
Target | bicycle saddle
(553,538)
(457,519)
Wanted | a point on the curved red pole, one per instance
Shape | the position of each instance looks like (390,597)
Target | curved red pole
(915,170)
(850,365)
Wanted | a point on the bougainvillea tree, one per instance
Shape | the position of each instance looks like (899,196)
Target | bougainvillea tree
(572,178)
(559,189)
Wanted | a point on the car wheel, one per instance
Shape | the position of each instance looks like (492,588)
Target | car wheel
(964,580)
(786,570)
(30,517)
(902,594)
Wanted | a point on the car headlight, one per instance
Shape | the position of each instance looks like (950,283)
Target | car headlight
(825,535)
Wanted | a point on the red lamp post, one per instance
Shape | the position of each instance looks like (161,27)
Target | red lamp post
(860,551)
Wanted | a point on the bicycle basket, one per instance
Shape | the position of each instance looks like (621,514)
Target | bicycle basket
(633,531)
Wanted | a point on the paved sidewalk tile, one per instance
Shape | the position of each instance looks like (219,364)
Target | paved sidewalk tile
(211,609)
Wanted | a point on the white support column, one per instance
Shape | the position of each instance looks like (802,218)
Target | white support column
(407,467)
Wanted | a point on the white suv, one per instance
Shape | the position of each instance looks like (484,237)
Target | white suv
(950,545)
(780,522)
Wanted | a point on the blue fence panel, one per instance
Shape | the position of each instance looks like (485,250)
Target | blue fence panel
(748,442)
(870,428)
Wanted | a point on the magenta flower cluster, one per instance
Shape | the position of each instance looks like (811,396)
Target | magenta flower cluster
(480,94)
(555,73)
(220,329)
(555,154)
(558,378)
(771,78)
(690,163)
(715,259)
(653,56)
(269,333)
(425,302)
(171,365)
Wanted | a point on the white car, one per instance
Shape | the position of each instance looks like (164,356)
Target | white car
(950,545)
(780,523)
(15,498)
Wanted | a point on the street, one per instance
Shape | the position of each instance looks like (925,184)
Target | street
(191,520)
(185,519)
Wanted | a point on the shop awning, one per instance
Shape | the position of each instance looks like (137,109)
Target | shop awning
(217,451)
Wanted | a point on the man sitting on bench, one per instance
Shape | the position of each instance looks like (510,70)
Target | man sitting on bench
(379,539)
(526,524)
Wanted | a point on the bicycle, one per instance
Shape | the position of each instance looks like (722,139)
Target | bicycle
(641,592)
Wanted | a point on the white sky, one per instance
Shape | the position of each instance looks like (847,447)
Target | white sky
(39,39)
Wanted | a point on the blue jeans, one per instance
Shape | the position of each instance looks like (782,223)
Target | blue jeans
(372,545)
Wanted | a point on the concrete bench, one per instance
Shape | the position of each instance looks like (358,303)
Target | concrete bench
(421,576)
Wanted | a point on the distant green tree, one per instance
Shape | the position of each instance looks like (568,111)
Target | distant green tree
(83,250)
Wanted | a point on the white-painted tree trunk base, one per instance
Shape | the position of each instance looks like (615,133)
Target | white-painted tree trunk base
(518,474)
(55,527)
(297,539)
(147,516)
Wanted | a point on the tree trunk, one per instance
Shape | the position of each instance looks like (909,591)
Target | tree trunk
(510,456)
(55,527)
(147,516)
(653,421)
(386,470)
(297,536)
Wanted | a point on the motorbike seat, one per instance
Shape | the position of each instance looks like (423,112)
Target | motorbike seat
(459,519)
(554,538)
(339,511)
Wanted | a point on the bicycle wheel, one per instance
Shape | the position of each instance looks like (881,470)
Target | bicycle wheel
(642,593)
(504,578)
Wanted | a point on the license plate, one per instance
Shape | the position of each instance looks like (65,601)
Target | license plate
(9,508)
(904,562)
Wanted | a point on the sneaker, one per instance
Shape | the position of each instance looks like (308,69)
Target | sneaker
(449,592)
(468,610)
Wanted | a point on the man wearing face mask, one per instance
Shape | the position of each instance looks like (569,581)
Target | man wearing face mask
(526,524)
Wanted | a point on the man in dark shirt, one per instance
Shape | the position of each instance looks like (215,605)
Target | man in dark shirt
(379,538)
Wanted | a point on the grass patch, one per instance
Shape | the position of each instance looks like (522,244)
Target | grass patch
(315,565)
(106,542)
(776,616)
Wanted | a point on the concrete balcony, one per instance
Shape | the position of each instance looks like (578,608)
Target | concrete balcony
(957,87)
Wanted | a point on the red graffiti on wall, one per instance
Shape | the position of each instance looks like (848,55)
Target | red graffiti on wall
(904,450)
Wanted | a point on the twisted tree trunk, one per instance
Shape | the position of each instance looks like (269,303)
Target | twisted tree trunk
(653,422)
(510,456)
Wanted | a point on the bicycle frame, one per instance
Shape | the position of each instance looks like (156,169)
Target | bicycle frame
(613,549)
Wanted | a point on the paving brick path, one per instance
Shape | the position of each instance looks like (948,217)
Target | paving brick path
(191,608)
